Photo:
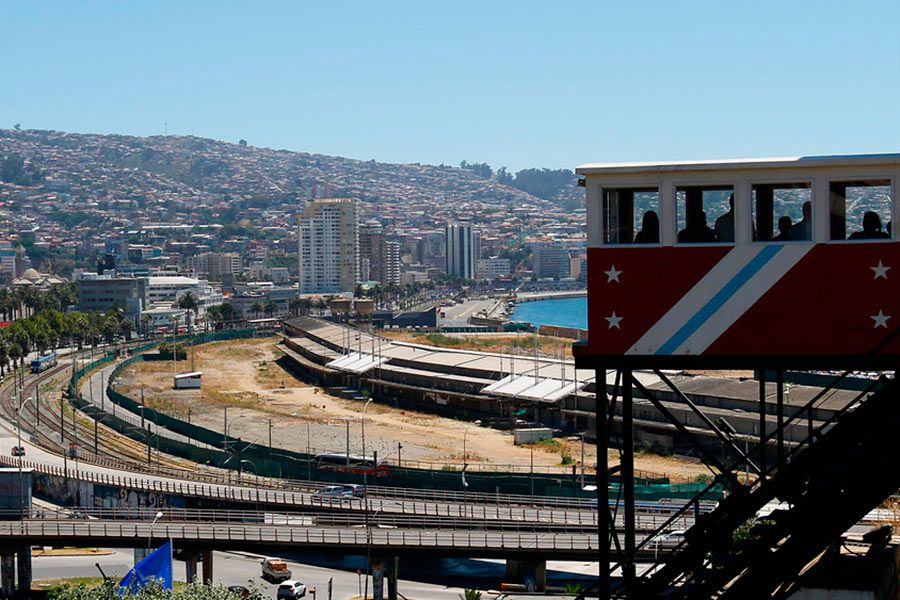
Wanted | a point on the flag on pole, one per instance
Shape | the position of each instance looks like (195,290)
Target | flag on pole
(156,565)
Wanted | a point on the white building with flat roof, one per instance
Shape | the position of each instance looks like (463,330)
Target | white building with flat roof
(167,290)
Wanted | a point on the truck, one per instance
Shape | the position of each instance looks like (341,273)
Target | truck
(275,571)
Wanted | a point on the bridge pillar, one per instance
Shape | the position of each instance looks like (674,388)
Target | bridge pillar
(529,571)
(384,577)
(7,574)
(190,566)
(207,566)
(23,565)
(392,568)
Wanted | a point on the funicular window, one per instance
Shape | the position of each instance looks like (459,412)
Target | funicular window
(782,212)
(860,210)
(631,215)
(705,214)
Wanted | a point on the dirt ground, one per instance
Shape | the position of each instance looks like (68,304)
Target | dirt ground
(263,398)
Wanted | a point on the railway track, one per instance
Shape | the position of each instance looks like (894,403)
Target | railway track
(54,433)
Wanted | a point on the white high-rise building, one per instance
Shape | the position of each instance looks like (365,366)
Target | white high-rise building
(461,250)
(392,262)
(328,246)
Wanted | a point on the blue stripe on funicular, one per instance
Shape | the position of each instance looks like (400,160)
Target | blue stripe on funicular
(720,298)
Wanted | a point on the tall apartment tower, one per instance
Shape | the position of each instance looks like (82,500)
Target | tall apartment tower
(392,262)
(461,250)
(372,252)
(328,247)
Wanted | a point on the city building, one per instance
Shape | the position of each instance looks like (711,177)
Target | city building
(167,290)
(31,278)
(328,246)
(12,261)
(372,266)
(550,260)
(215,264)
(493,268)
(104,292)
(461,250)
(392,262)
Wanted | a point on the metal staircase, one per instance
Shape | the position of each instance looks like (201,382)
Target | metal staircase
(843,470)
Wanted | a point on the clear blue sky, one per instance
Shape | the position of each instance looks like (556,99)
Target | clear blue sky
(510,83)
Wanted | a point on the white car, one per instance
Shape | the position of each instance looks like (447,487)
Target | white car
(291,589)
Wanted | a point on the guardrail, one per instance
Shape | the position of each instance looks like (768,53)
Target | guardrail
(291,501)
(261,537)
(375,518)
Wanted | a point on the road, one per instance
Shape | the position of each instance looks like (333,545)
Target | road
(459,314)
(231,568)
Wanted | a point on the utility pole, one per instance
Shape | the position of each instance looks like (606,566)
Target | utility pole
(62,423)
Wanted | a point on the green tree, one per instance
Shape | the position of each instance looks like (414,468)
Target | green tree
(109,590)
(190,303)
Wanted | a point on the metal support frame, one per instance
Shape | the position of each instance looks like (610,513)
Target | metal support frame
(763,466)
(627,481)
(779,412)
(725,439)
(605,525)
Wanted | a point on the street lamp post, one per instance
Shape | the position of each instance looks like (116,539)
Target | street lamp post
(150,535)
(20,452)
(363,426)
(366,494)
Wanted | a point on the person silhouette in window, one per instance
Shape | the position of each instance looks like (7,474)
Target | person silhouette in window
(871,228)
(802,229)
(784,230)
(725,224)
(649,233)
(697,231)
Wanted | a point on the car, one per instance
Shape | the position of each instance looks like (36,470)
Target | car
(291,588)
(671,538)
(343,492)
(244,593)
(18,450)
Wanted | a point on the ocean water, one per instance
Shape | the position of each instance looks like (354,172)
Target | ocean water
(565,312)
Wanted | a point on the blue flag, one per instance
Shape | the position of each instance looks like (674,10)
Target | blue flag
(156,565)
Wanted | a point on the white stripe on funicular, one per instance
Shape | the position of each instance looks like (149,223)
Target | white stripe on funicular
(738,304)
(694,300)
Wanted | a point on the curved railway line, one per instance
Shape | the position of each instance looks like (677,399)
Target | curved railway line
(79,428)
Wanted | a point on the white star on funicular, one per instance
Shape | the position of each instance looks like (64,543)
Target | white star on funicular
(612,275)
(614,321)
(880,270)
(880,319)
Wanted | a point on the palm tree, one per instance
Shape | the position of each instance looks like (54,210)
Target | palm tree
(270,308)
(145,325)
(256,308)
(4,355)
(190,303)
(228,313)
(294,305)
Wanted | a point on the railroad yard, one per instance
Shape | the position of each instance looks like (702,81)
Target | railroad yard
(244,375)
